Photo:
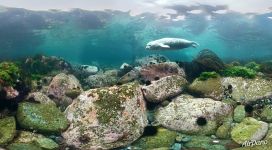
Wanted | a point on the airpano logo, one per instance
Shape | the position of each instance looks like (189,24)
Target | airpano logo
(254,143)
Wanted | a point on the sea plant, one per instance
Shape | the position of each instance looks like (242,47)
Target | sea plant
(207,75)
(239,71)
(9,73)
(253,65)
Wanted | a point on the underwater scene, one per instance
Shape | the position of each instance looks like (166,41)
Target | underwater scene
(135,75)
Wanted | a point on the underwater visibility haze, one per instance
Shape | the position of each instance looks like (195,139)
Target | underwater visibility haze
(139,74)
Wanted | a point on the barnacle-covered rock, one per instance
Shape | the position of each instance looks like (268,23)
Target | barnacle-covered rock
(164,88)
(106,118)
(193,115)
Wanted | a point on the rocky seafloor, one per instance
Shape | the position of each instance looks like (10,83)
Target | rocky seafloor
(152,103)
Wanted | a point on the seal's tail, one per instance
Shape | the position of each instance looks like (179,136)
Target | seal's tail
(195,44)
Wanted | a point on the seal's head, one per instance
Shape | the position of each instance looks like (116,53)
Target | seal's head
(152,46)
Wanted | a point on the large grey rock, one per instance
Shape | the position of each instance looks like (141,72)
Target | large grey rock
(89,70)
(59,85)
(106,79)
(241,89)
(164,88)
(106,118)
(247,90)
(160,70)
(182,114)
(40,98)
(151,59)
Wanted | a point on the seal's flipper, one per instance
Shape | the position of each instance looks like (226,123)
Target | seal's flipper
(164,46)
(194,44)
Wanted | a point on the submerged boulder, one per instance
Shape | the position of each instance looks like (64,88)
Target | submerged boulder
(151,59)
(7,130)
(164,88)
(44,118)
(249,129)
(266,114)
(210,88)
(209,61)
(163,138)
(248,90)
(157,71)
(40,98)
(25,137)
(108,78)
(193,115)
(239,113)
(88,70)
(106,118)
(59,85)
(130,76)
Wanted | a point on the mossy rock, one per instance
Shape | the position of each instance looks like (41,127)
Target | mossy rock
(7,130)
(38,139)
(203,142)
(23,146)
(73,93)
(210,88)
(47,144)
(163,138)
(266,114)
(223,132)
(41,117)
(249,129)
(239,113)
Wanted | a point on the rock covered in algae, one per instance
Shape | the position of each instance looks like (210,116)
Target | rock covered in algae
(41,117)
(153,71)
(37,139)
(40,98)
(7,130)
(249,129)
(247,90)
(266,114)
(210,88)
(163,138)
(59,85)
(204,143)
(108,78)
(164,88)
(239,113)
(106,118)
(184,113)
(151,59)
(23,146)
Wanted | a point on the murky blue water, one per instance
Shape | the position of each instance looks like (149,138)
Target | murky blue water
(114,37)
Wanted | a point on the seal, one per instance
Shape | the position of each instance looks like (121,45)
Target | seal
(170,44)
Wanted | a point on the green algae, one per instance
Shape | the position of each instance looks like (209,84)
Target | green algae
(7,130)
(163,138)
(37,139)
(211,88)
(239,71)
(244,130)
(9,73)
(207,75)
(110,101)
(41,117)
(23,146)
(239,113)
